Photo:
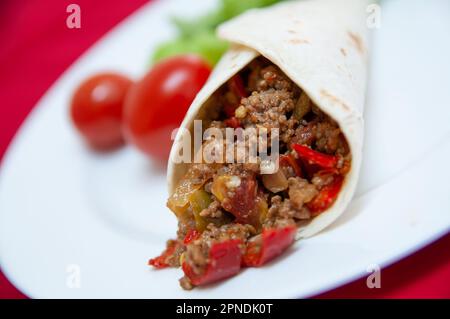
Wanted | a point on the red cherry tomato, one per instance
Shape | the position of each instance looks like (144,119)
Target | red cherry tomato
(157,104)
(96,109)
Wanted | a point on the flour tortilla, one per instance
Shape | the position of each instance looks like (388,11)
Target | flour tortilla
(321,45)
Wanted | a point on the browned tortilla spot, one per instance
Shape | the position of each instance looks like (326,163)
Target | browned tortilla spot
(292,31)
(298,41)
(356,41)
(344,53)
(326,94)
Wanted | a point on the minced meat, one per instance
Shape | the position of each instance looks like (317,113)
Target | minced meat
(300,192)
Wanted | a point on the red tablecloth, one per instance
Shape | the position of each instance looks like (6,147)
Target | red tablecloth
(36,47)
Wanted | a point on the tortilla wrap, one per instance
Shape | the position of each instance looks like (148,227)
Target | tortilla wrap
(322,46)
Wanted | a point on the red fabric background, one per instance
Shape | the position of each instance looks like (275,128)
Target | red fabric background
(36,47)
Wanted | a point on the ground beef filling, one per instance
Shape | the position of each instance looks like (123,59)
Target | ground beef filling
(233,200)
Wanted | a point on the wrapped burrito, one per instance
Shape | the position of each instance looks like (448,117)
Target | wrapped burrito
(270,149)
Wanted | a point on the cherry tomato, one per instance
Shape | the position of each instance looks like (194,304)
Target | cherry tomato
(157,104)
(96,109)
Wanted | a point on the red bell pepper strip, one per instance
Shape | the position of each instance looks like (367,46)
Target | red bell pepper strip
(289,160)
(314,157)
(327,171)
(236,85)
(232,122)
(224,261)
(192,235)
(326,196)
(160,262)
(273,242)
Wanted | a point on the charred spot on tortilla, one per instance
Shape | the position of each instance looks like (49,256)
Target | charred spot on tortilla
(344,52)
(234,56)
(356,41)
(298,41)
(324,93)
(234,206)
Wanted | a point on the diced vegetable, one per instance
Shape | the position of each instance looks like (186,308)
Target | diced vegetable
(313,157)
(302,107)
(237,89)
(268,245)
(236,85)
(326,196)
(224,260)
(275,182)
(239,197)
(241,112)
(161,261)
(241,201)
(289,160)
(192,235)
(262,207)
(200,200)
(232,122)
(178,202)
(219,187)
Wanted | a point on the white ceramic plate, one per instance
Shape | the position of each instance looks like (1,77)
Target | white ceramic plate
(65,211)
